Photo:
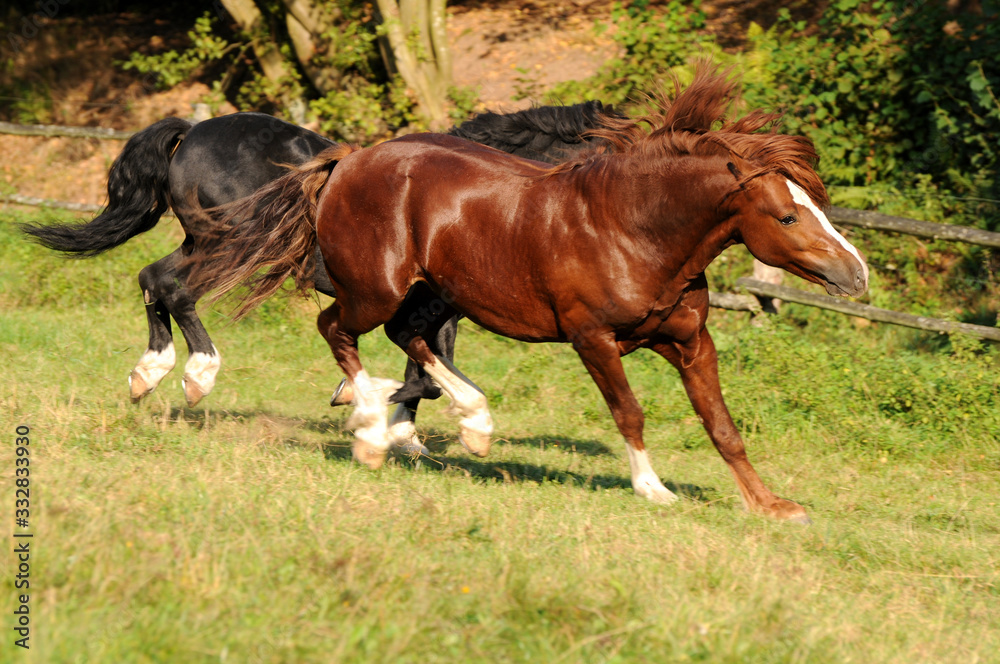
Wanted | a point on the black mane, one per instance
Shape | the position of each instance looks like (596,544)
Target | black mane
(546,133)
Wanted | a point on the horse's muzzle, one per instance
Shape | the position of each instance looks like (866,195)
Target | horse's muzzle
(853,283)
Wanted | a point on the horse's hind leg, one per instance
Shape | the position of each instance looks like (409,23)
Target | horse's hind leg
(467,399)
(160,356)
(204,359)
(371,444)
(418,385)
(166,294)
(425,327)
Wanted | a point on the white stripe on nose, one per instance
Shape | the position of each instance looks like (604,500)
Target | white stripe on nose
(800,196)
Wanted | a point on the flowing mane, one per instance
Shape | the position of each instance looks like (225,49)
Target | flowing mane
(684,125)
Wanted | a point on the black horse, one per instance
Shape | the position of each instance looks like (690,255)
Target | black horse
(174,163)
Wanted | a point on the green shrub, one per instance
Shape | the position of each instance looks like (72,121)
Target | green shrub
(173,67)
(653,40)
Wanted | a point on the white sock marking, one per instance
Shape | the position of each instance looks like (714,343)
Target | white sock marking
(402,433)
(201,369)
(468,401)
(368,418)
(153,366)
(645,482)
(800,196)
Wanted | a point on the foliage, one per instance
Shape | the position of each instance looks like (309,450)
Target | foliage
(654,40)
(925,403)
(889,92)
(175,67)
(463,102)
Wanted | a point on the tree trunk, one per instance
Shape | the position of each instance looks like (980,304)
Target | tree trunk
(418,44)
(306,22)
(248,17)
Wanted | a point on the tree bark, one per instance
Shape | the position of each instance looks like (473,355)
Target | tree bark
(415,31)
(307,22)
(250,20)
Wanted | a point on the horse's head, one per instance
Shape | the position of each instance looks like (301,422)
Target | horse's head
(781,226)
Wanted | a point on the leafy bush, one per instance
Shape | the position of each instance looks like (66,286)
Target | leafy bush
(885,400)
(889,92)
(654,41)
(175,67)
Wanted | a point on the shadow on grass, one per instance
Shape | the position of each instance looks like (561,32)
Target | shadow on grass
(543,442)
(519,472)
(508,472)
(198,416)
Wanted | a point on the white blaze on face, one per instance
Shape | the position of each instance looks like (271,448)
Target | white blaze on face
(800,196)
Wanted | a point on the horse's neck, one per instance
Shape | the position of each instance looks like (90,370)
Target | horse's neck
(674,206)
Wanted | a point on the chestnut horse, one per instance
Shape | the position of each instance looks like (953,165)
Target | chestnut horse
(607,252)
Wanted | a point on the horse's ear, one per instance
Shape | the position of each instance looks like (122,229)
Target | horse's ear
(735,171)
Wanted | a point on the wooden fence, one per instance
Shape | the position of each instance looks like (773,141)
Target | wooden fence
(732,301)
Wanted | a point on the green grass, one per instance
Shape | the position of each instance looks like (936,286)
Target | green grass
(241,531)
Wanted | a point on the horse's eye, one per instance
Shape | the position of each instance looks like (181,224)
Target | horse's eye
(788,220)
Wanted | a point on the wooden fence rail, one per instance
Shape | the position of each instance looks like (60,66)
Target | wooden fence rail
(885,222)
(843,306)
(33,201)
(59,130)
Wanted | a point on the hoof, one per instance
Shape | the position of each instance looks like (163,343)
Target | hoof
(368,454)
(477,442)
(802,520)
(137,387)
(475,432)
(193,392)
(147,374)
(413,448)
(403,438)
(786,510)
(199,375)
(652,489)
(343,395)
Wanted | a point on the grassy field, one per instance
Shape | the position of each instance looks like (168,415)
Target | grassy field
(241,531)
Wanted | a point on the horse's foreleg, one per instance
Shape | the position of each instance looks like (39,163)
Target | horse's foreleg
(371,444)
(602,358)
(698,365)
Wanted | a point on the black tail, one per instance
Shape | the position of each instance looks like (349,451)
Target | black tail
(137,195)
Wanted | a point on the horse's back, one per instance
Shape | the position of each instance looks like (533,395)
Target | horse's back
(230,157)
